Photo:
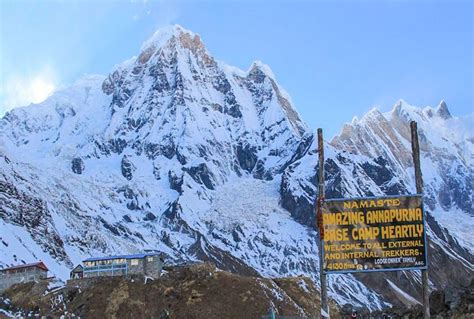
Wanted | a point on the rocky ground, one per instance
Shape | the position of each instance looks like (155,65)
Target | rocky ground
(202,291)
(452,302)
(198,291)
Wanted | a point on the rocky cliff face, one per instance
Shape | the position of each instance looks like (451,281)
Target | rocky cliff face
(446,144)
(178,152)
(372,156)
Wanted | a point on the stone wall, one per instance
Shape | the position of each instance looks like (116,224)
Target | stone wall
(28,274)
(136,269)
(153,266)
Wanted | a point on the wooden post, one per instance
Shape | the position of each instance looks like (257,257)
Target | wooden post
(415,147)
(319,219)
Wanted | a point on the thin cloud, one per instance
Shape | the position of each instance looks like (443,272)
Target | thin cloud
(18,90)
(164,12)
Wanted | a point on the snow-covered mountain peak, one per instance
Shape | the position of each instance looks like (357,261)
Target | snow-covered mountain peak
(175,63)
(174,38)
(354,120)
(258,66)
(406,112)
(373,114)
(165,34)
(442,110)
(173,100)
(400,104)
(402,110)
(446,143)
(437,127)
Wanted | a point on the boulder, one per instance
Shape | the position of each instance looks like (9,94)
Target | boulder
(127,167)
(77,165)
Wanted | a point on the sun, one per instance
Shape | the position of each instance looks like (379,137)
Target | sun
(40,89)
(23,90)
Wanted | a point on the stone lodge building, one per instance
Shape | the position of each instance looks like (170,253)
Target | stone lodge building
(22,273)
(145,264)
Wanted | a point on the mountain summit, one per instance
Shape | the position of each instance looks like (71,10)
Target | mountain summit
(178,152)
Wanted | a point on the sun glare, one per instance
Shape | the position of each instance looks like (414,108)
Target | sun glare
(41,89)
(21,91)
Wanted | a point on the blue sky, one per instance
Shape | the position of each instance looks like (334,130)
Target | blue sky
(337,59)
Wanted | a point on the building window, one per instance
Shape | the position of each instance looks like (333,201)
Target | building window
(150,259)
(134,262)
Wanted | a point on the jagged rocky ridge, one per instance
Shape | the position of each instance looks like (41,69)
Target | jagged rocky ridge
(179,152)
(372,156)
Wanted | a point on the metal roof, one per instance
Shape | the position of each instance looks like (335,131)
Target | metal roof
(39,264)
(135,256)
(77,267)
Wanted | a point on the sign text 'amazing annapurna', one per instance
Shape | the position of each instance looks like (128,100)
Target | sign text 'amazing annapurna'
(369,234)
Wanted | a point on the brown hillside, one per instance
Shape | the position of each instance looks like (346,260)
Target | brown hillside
(198,291)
